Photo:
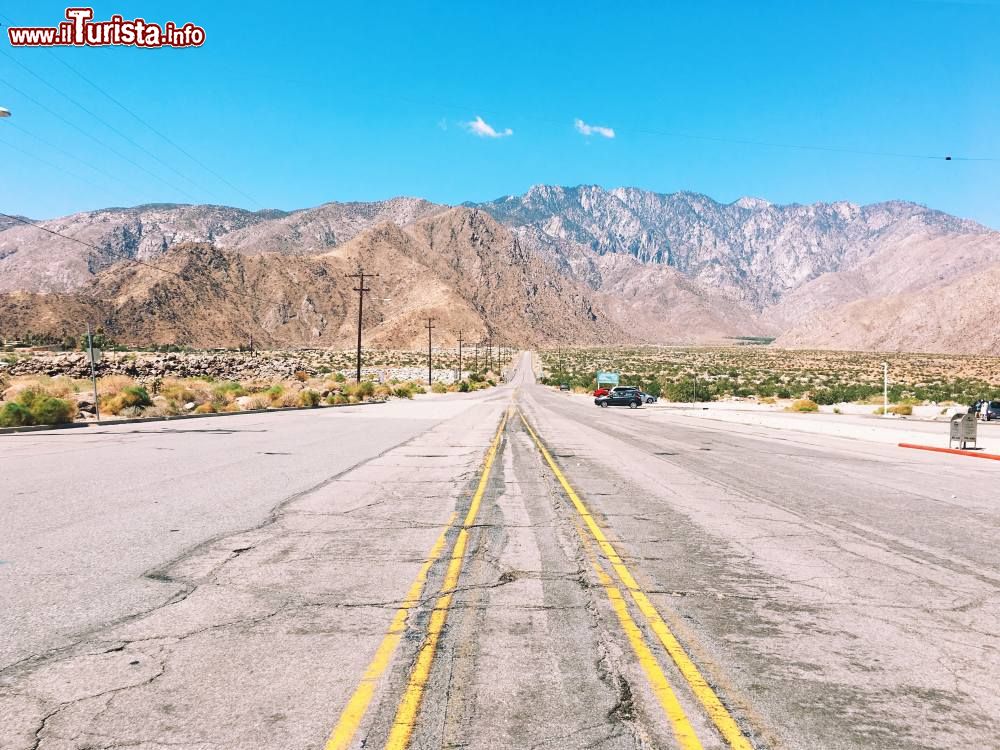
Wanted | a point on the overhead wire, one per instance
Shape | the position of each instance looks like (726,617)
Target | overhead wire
(139,119)
(101,120)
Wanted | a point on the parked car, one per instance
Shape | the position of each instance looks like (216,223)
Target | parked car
(991,411)
(647,398)
(621,395)
(564,386)
(601,392)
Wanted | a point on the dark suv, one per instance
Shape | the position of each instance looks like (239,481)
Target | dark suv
(991,411)
(622,395)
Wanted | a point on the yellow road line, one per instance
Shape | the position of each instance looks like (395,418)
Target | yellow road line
(683,731)
(350,719)
(353,713)
(409,706)
(713,706)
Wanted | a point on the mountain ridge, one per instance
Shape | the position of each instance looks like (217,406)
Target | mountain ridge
(617,264)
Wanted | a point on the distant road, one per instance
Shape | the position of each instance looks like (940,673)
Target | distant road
(504,569)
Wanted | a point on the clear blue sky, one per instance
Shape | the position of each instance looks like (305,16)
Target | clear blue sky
(360,101)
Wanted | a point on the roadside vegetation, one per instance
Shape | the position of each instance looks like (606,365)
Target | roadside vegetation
(688,374)
(43,400)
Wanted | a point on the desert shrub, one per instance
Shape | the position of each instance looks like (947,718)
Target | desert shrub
(309,398)
(130,412)
(463,387)
(439,388)
(206,408)
(336,399)
(51,410)
(112,385)
(769,400)
(339,377)
(475,377)
(257,401)
(804,405)
(228,389)
(382,391)
(903,410)
(129,397)
(14,414)
(403,391)
(301,375)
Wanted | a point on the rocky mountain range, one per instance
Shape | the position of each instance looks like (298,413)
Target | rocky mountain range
(555,265)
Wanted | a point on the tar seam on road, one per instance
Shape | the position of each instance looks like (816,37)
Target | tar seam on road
(353,714)
(709,700)
(409,706)
(683,731)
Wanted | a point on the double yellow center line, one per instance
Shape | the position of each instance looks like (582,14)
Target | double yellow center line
(592,534)
(402,728)
(717,712)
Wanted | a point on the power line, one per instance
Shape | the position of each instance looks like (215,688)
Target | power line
(157,132)
(101,143)
(56,167)
(720,139)
(62,151)
(139,119)
(102,120)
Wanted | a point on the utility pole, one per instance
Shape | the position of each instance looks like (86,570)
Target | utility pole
(360,289)
(251,344)
(93,373)
(489,353)
(475,363)
(459,355)
(430,359)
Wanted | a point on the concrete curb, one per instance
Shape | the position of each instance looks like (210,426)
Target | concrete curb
(136,420)
(955,451)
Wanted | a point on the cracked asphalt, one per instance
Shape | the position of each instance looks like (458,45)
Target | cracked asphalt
(231,583)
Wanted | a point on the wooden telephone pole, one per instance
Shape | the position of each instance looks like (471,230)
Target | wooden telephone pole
(459,355)
(430,357)
(360,289)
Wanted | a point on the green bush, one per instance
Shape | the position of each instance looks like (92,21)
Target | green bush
(439,388)
(229,388)
(804,405)
(135,395)
(51,410)
(309,398)
(463,387)
(403,391)
(15,415)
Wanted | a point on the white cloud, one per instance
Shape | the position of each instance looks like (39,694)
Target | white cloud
(600,130)
(484,130)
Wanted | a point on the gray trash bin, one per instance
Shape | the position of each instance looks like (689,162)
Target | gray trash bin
(963,430)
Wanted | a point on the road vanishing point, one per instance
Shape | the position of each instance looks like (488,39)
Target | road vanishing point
(511,568)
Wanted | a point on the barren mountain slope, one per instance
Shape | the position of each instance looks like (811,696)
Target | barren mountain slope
(919,263)
(750,249)
(317,230)
(961,316)
(36,261)
(460,268)
(660,305)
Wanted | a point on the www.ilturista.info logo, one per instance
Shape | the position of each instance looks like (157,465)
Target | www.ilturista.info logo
(80,30)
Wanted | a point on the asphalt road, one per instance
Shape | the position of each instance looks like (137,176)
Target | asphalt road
(506,569)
